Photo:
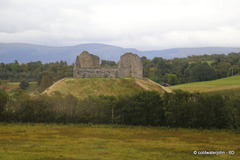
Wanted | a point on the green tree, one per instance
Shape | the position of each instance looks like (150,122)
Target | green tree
(146,66)
(233,70)
(46,82)
(202,72)
(24,85)
(222,69)
(108,63)
(208,111)
(35,110)
(98,109)
(177,108)
(234,103)
(172,79)
(152,73)
(3,100)
(71,103)
(144,108)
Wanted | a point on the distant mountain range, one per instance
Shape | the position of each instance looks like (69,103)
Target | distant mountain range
(24,53)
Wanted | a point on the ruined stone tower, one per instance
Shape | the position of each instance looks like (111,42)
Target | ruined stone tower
(87,60)
(87,65)
(130,65)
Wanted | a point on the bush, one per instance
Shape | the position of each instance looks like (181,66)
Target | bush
(24,85)
(35,110)
(46,82)
(234,104)
(144,108)
(3,100)
(97,109)
(177,109)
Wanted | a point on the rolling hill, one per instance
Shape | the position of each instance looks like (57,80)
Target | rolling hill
(83,88)
(223,84)
(24,53)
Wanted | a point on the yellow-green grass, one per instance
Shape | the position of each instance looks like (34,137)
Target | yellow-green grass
(8,87)
(11,86)
(79,142)
(84,87)
(229,83)
(208,62)
(33,87)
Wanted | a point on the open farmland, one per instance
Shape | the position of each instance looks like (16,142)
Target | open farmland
(78,142)
(12,86)
(228,83)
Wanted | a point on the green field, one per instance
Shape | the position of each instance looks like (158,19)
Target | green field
(228,83)
(208,62)
(82,88)
(81,142)
(11,86)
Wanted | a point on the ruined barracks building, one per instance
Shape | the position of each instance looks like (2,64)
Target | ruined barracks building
(87,65)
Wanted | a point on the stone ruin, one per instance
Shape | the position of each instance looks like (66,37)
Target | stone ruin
(87,65)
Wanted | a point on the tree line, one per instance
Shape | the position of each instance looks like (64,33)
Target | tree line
(192,68)
(172,71)
(34,71)
(177,109)
(44,74)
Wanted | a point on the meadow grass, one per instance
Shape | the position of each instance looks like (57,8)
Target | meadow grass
(12,86)
(208,62)
(9,86)
(228,83)
(106,142)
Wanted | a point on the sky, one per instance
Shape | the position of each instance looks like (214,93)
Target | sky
(140,24)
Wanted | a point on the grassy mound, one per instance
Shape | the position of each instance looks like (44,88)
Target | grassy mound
(83,88)
(228,83)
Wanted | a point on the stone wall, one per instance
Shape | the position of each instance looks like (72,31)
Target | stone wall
(76,67)
(104,72)
(87,65)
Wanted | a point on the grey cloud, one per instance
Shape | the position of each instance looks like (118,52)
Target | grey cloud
(143,24)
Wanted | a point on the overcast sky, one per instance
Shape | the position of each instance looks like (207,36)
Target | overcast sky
(140,24)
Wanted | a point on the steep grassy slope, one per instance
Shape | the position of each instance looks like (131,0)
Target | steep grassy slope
(228,83)
(83,88)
